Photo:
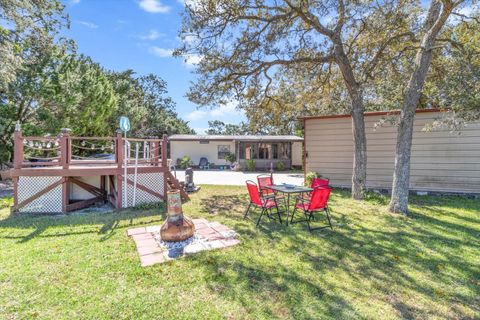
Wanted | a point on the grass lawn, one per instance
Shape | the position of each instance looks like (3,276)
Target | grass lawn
(373,265)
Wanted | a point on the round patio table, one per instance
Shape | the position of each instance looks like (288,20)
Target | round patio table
(288,190)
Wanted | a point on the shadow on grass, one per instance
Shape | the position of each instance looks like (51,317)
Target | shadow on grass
(419,254)
(108,222)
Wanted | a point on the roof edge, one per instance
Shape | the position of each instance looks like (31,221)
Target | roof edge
(372,113)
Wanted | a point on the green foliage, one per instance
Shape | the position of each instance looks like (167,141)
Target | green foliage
(280,166)
(6,202)
(250,165)
(220,128)
(376,197)
(185,162)
(309,178)
(29,31)
(230,157)
(78,95)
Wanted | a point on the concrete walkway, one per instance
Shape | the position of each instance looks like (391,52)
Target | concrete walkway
(234,178)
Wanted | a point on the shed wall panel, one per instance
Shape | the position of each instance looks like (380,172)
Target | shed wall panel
(441,160)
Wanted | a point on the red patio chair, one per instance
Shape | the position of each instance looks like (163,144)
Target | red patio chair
(316,182)
(318,201)
(256,200)
(319,182)
(265,180)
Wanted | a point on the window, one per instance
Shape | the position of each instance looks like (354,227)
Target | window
(264,151)
(248,151)
(223,150)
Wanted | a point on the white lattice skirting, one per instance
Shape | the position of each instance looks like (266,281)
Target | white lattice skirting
(50,202)
(152,181)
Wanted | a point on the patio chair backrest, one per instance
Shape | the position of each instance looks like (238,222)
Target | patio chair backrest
(264,181)
(253,192)
(319,198)
(319,182)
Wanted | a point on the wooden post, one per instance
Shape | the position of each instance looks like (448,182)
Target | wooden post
(164,150)
(18,147)
(164,163)
(65,194)
(65,148)
(65,162)
(15,192)
(156,153)
(119,158)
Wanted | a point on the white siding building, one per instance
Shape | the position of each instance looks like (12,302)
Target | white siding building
(265,150)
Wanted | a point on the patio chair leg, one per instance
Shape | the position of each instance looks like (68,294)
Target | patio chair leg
(278,211)
(259,218)
(308,220)
(246,212)
(293,214)
(328,217)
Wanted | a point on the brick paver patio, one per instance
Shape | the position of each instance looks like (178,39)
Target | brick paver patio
(209,235)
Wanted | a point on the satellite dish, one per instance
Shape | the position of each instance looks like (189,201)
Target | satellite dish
(124,124)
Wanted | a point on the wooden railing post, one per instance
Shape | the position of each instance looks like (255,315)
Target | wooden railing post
(65,148)
(17,147)
(119,159)
(156,152)
(164,151)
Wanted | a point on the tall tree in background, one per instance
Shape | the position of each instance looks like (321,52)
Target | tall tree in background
(217,127)
(248,45)
(77,95)
(29,42)
(437,16)
(27,33)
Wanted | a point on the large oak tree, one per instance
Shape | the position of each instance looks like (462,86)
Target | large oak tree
(247,46)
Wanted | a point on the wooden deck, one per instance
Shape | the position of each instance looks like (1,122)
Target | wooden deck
(65,165)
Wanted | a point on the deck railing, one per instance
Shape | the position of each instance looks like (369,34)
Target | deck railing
(65,151)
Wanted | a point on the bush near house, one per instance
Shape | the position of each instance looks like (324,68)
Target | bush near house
(230,157)
(250,165)
(280,166)
(185,162)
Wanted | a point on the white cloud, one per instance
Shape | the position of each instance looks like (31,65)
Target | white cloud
(161,52)
(196,115)
(152,35)
(189,60)
(225,109)
(200,130)
(192,60)
(222,111)
(153,6)
(88,24)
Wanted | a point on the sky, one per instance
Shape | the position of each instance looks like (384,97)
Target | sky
(140,35)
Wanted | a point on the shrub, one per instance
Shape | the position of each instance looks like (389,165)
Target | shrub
(309,178)
(230,157)
(250,164)
(185,162)
(280,166)
(6,202)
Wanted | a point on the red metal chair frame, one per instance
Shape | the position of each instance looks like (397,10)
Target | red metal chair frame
(257,201)
(317,202)
(265,180)
(319,182)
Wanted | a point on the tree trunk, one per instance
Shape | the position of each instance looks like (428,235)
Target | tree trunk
(359,175)
(401,176)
